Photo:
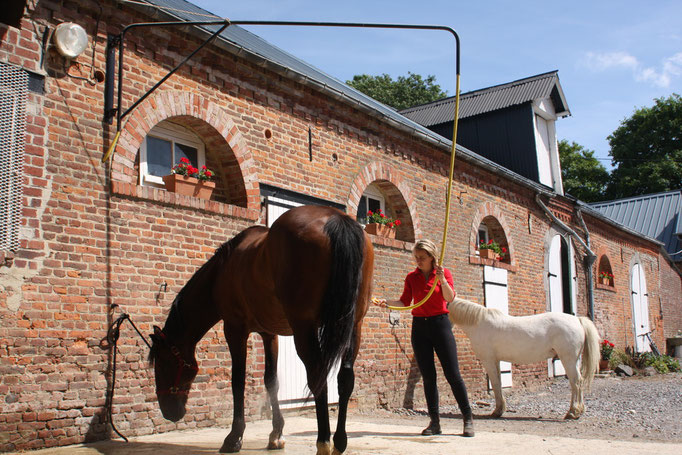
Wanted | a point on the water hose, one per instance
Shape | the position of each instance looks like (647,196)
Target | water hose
(447,207)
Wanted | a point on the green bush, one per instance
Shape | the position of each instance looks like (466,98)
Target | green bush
(663,364)
(620,357)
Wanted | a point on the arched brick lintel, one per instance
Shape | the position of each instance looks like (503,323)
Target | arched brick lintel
(377,171)
(167,104)
(485,210)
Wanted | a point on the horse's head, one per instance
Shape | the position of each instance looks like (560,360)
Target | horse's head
(174,370)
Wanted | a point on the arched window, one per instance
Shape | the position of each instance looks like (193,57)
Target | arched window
(372,200)
(604,272)
(163,148)
(490,235)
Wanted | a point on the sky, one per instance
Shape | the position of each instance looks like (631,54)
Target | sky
(613,57)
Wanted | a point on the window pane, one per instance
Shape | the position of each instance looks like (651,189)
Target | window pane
(362,210)
(374,204)
(185,151)
(159,161)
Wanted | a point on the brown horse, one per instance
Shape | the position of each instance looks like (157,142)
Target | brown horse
(309,275)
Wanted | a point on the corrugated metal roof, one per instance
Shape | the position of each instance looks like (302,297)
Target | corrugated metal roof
(658,216)
(493,98)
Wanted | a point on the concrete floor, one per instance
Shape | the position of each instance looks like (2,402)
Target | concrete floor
(365,438)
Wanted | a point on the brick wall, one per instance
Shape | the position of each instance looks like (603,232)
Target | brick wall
(92,237)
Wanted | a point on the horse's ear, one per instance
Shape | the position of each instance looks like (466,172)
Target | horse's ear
(157,330)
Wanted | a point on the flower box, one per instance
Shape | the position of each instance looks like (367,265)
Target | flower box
(487,253)
(380,229)
(188,186)
(605,281)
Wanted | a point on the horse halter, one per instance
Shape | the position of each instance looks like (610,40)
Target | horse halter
(178,388)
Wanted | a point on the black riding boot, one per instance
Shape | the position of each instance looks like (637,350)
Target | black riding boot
(434,426)
(468,426)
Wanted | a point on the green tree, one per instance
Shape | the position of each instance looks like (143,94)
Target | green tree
(646,150)
(406,91)
(583,175)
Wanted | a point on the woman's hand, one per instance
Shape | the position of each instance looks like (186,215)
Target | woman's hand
(381,303)
(440,273)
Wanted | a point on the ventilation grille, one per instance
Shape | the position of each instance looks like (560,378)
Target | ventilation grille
(13,94)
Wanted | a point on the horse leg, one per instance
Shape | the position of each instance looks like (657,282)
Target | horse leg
(346,380)
(493,369)
(308,349)
(575,379)
(270,343)
(236,340)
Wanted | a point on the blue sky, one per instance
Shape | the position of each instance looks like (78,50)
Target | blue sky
(612,56)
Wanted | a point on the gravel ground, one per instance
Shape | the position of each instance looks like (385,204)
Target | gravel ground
(636,408)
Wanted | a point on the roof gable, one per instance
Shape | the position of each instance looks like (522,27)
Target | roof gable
(494,98)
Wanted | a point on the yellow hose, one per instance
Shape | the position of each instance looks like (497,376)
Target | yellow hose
(111,147)
(447,204)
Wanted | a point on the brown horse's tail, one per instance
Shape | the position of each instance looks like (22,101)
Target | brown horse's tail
(347,242)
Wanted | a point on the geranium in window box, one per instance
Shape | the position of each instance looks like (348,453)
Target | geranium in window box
(606,278)
(491,250)
(187,180)
(379,224)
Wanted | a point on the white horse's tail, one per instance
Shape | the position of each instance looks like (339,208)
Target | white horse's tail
(590,360)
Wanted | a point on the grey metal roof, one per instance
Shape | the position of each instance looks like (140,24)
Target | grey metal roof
(490,99)
(658,216)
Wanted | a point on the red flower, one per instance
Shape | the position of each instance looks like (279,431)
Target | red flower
(390,225)
(397,222)
(369,213)
(490,242)
(504,250)
(382,215)
(184,160)
(208,174)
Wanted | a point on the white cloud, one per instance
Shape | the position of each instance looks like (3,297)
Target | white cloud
(671,67)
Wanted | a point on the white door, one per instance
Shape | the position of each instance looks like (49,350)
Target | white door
(495,288)
(556,295)
(293,383)
(640,308)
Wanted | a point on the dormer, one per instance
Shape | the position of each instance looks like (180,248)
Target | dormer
(512,124)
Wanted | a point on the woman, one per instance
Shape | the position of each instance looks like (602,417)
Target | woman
(431,331)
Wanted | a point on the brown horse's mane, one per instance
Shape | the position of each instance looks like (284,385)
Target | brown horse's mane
(197,289)
(465,312)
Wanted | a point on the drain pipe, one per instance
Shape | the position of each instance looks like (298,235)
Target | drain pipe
(588,261)
(590,257)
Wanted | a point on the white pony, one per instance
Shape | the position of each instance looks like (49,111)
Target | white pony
(496,336)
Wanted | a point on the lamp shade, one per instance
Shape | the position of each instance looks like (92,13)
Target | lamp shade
(70,39)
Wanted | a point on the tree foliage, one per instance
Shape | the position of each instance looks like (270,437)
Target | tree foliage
(646,150)
(406,91)
(583,175)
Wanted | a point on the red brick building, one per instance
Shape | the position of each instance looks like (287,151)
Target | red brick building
(81,236)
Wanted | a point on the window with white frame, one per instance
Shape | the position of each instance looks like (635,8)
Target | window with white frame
(163,148)
(482,235)
(371,200)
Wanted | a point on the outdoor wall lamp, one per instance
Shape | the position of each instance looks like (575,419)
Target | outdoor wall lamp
(70,39)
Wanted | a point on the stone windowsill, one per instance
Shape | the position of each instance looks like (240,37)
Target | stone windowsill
(165,197)
(379,240)
(606,287)
(493,263)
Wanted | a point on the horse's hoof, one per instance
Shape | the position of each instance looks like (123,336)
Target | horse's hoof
(496,414)
(276,444)
(572,416)
(336,451)
(231,446)
(324,448)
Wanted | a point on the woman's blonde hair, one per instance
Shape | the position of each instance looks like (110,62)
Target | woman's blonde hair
(428,246)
